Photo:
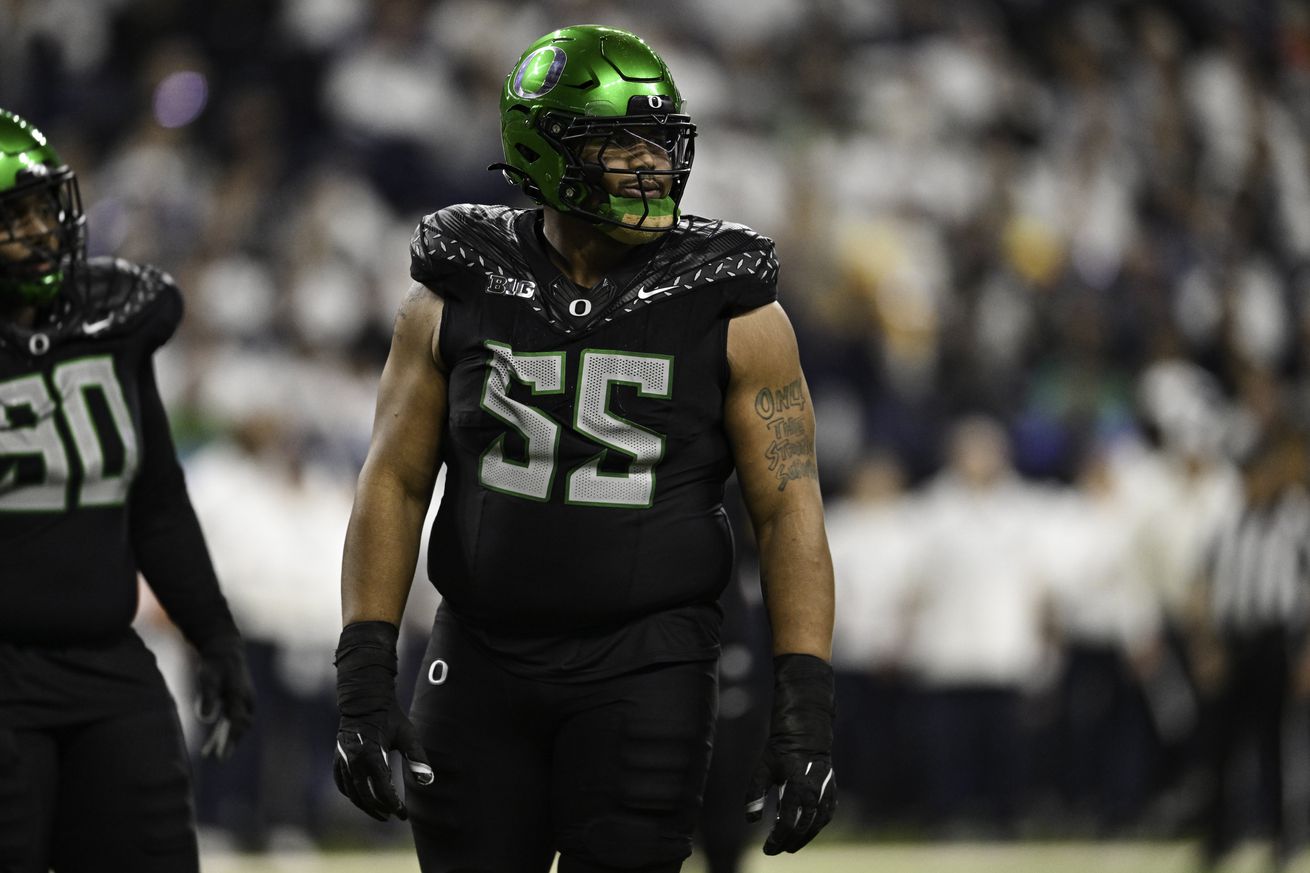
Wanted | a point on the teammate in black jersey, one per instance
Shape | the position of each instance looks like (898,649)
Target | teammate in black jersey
(93,772)
(589,373)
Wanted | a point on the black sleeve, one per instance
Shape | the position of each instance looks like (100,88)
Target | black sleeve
(455,248)
(754,281)
(433,252)
(747,293)
(166,538)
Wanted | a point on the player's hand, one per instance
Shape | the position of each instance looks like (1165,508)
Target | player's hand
(225,695)
(798,755)
(372,723)
(362,769)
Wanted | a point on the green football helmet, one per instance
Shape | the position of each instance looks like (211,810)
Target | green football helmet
(586,100)
(42,225)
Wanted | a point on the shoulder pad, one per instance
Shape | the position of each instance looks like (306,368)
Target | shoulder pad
(740,263)
(108,298)
(119,297)
(465,242)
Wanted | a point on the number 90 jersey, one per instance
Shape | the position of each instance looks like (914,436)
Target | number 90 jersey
(72,445)
(585,449)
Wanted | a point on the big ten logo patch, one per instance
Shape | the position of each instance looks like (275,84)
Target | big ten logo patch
(510,287)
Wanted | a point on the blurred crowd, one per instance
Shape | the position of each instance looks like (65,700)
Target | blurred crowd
(1048,262)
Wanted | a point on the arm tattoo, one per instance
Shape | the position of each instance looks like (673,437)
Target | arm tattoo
(775,401)
(791,454)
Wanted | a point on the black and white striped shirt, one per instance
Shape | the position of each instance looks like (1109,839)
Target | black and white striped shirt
(1260,567)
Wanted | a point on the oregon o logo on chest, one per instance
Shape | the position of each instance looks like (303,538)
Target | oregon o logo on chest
(580,307)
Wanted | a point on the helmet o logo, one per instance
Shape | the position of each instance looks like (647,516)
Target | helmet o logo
(38,344)
(539,73)
(580,307)
(654,101)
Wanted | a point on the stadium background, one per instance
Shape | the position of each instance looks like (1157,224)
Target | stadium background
(1081,229)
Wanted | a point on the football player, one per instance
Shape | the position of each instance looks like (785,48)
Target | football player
(589,372)
(93,772)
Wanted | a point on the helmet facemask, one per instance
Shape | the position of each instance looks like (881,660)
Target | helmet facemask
(647,159)
(42,234)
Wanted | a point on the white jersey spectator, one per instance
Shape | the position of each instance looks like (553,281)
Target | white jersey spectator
(982,598)
(981,630)
(874,543)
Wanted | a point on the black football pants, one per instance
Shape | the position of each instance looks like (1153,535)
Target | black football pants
(114,794)
(609,772)
(1250,705)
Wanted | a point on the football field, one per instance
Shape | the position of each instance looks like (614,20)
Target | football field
(1133,857)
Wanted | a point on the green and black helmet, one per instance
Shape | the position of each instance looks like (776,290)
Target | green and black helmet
(42,226)
(587,100)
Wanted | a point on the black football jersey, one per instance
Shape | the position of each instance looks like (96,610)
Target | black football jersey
(585,449)
(90,489)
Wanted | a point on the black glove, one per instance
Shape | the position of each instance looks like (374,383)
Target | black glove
(798,754)
(372,722)
(225,695)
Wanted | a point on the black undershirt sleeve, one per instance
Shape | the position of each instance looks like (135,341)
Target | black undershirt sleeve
(166,538)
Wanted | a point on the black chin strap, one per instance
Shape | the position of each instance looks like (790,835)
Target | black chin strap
(518,178)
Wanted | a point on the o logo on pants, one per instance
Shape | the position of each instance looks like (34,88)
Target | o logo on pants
(437,672)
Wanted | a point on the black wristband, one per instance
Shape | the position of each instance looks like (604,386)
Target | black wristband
(366,668)
(367,635)
(804,698)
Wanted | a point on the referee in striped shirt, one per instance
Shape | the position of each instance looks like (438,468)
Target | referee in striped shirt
(1250,652)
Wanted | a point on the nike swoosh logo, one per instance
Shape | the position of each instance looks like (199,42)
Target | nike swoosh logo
(92,328)
(651,292)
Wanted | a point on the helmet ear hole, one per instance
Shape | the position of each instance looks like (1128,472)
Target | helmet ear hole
(529,154)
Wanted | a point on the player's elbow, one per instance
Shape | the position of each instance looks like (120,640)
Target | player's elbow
(789,522)
(381,481)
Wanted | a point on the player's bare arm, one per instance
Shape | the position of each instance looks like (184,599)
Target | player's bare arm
(381,550)
(770,423)
(396,482)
